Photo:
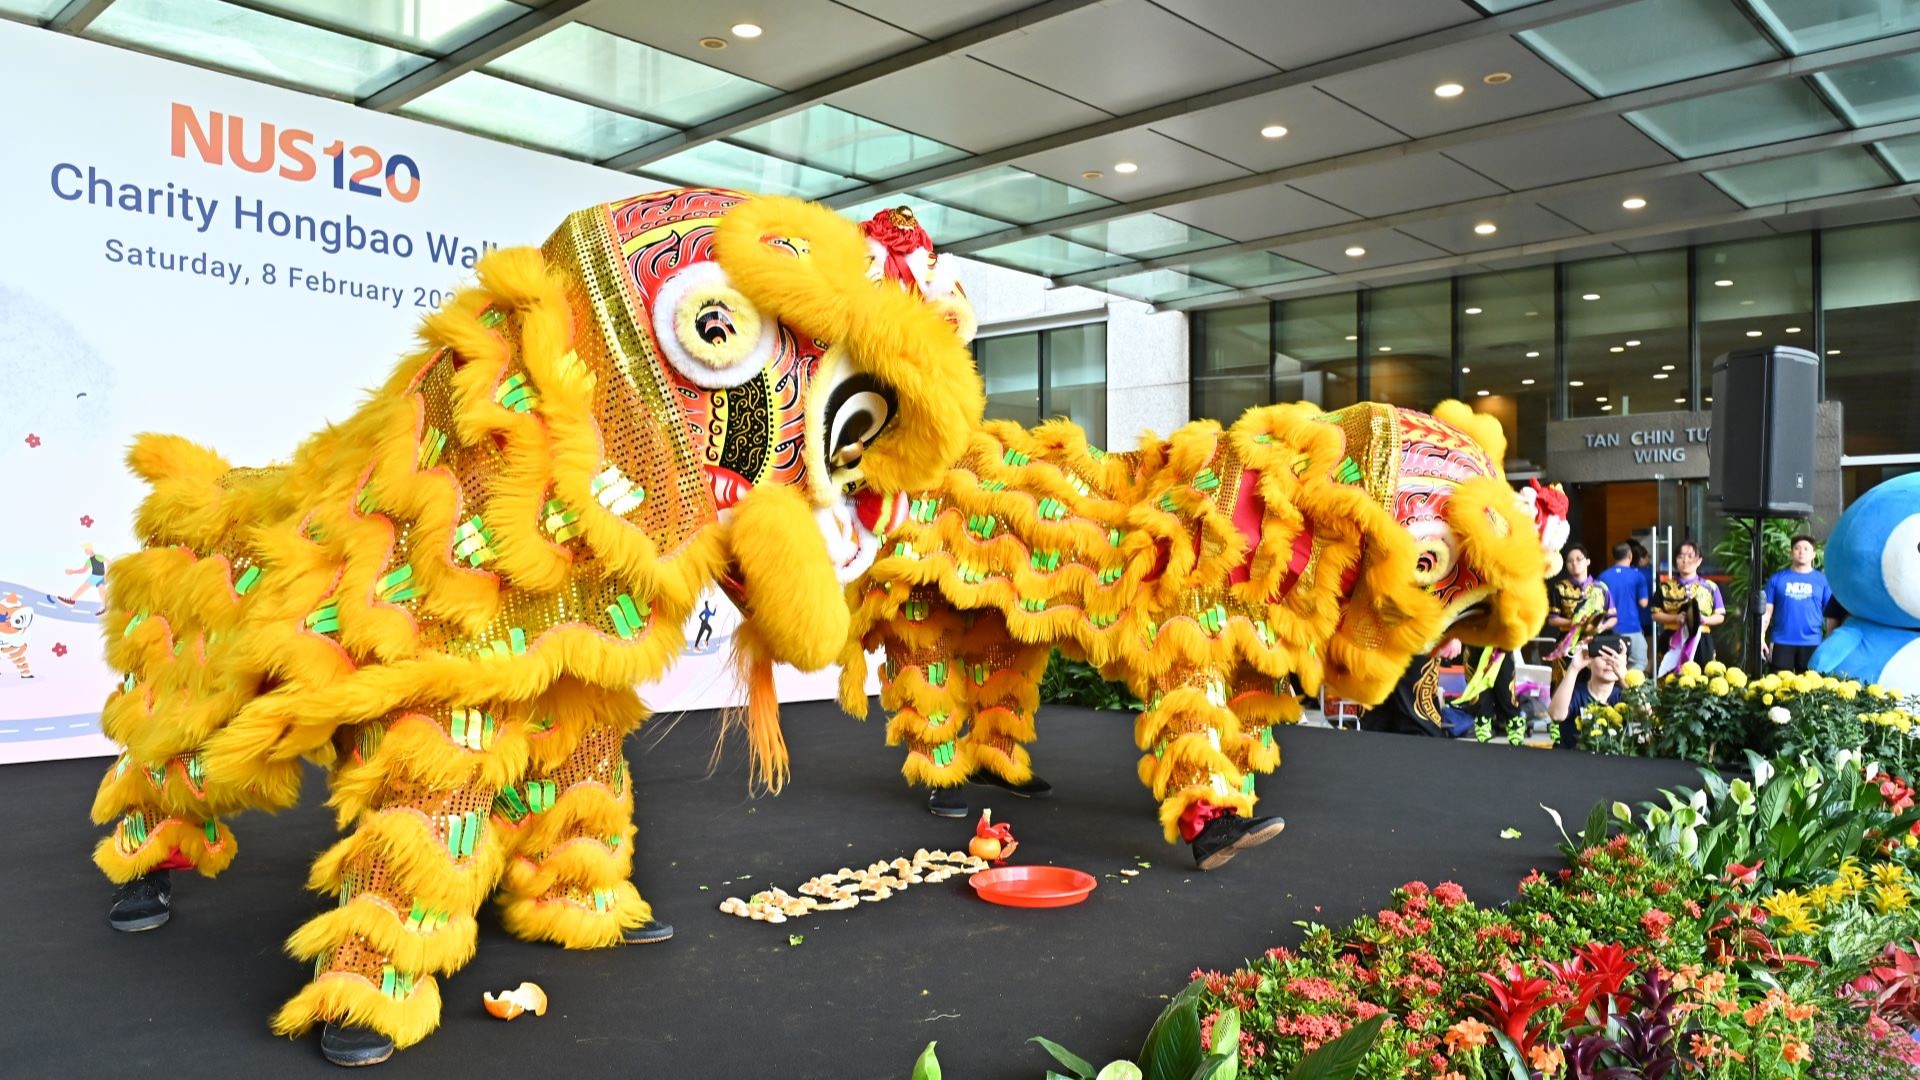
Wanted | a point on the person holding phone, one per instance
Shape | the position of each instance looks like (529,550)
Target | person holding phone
(1594,673)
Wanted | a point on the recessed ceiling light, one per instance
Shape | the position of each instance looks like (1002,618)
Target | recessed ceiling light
(1575,382)
(1679,401)
(1526,382)
(1272,131)
(1356,251)
(713,43)
(1660,375)
(1618,348)
(1449,90)
(1496,78)
(1724,282)
(1635,203)
(1590,296)
(1666,367)
(747,30)
(1473,311)
(1466,371)
(1746,303)
(1486,228)
(1631,344)
(1124,167)
(1753,333)
(1709,401)
(1833,352)
(1092,174)
(1531,355)
(1386,348)
(1531,314)
(1353,337)
(1484,393)
(1793,329)
(1602,397)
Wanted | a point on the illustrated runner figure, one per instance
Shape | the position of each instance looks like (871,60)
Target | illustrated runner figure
(96,570)
(705,633)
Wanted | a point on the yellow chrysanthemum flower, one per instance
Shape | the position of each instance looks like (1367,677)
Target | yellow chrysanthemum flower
(1690,668)
(1634,678)
(1718,687)
(1766,699)
(1736,677)
(1689,682)
(1714,667)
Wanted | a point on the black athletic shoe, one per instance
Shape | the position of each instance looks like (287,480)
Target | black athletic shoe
(947,802)
(1034,788)
(647,935)
(145,903)
(1225,837)
(354,1046)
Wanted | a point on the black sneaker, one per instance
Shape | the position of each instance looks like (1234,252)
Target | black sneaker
(145,903)
(1225,837)
(1034,788)
(354,1046)
(947,802)
(649,934)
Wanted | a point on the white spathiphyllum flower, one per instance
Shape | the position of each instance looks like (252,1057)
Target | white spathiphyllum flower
(1762,772)
(1779,714)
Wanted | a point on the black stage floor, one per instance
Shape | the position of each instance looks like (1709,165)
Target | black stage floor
(730,998)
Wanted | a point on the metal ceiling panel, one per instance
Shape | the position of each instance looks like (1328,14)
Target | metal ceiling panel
(935,18)
(1522,262)
(1162,164)
(1406,183)
(1318,126)
(1677,198)
(1295,33)
(804,40)
(1383,247)
(1739,230)
(965,103)
(1402,95)
(1260,212)
(1123,55)
(1513,225)
(1570,151)
(1845,215)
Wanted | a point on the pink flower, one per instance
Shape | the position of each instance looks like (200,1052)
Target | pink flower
(33,441)
(86,521)
(59,649)
(1744,875)
(1449,894)
(1414,888)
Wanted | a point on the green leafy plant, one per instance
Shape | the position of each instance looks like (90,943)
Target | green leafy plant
(1075,682)
(927,1066)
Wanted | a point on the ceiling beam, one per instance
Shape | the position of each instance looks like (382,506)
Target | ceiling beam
(808,96)
(1687,89)
(77,15)
(1511,22)
(1726,159)
(1548,247)
(484,49)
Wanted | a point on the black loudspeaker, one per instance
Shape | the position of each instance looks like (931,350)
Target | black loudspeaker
(1761,451)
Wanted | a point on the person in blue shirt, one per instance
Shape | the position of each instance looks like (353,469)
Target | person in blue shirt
(1627,586)
(1792,624)
(1594,674)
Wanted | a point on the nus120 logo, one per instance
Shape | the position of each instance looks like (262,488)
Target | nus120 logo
(260,147)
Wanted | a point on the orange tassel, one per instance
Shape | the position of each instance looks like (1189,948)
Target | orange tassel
(760,716)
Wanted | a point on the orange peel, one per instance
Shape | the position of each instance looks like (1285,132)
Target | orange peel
(527,997)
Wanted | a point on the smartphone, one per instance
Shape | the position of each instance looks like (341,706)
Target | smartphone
(1607,643)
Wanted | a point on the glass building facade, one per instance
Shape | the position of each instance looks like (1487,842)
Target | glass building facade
(1042,374)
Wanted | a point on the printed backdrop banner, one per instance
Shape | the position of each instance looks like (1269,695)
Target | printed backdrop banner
(193,253)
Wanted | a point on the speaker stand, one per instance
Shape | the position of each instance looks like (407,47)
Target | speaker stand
(1756,596)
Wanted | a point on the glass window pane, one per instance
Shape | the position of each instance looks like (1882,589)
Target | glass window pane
(33,9)
(944,224)
(597,66)
(1903,155)
(1830,172)
(1767,113)
(1870,286)
(1013,195)
(1410,328)
(481,103)
(1077,377)
(1876,93)
(247,41)
(722,164)
(1048,255)
(838,141)
(1651,43)
(1145,236)
(435,25)
(1010,367)
(1232,351)
(1254,268)
(1162,286)
(1626,323)
(1767,298)
(1506,356)
(1806,25)
(1317,358)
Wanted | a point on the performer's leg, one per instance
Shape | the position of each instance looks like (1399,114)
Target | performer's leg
(1001,681)
(424,853)
(1200,761)
(572,834)
(162,822)
(921,685)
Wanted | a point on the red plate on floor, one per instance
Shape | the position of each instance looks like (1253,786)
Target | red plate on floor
(1033,886)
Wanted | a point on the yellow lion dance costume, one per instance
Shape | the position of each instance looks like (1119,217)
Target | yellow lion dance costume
(1208,570)
(451,596)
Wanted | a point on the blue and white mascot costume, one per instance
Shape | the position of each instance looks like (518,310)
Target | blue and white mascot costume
(1873,563)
